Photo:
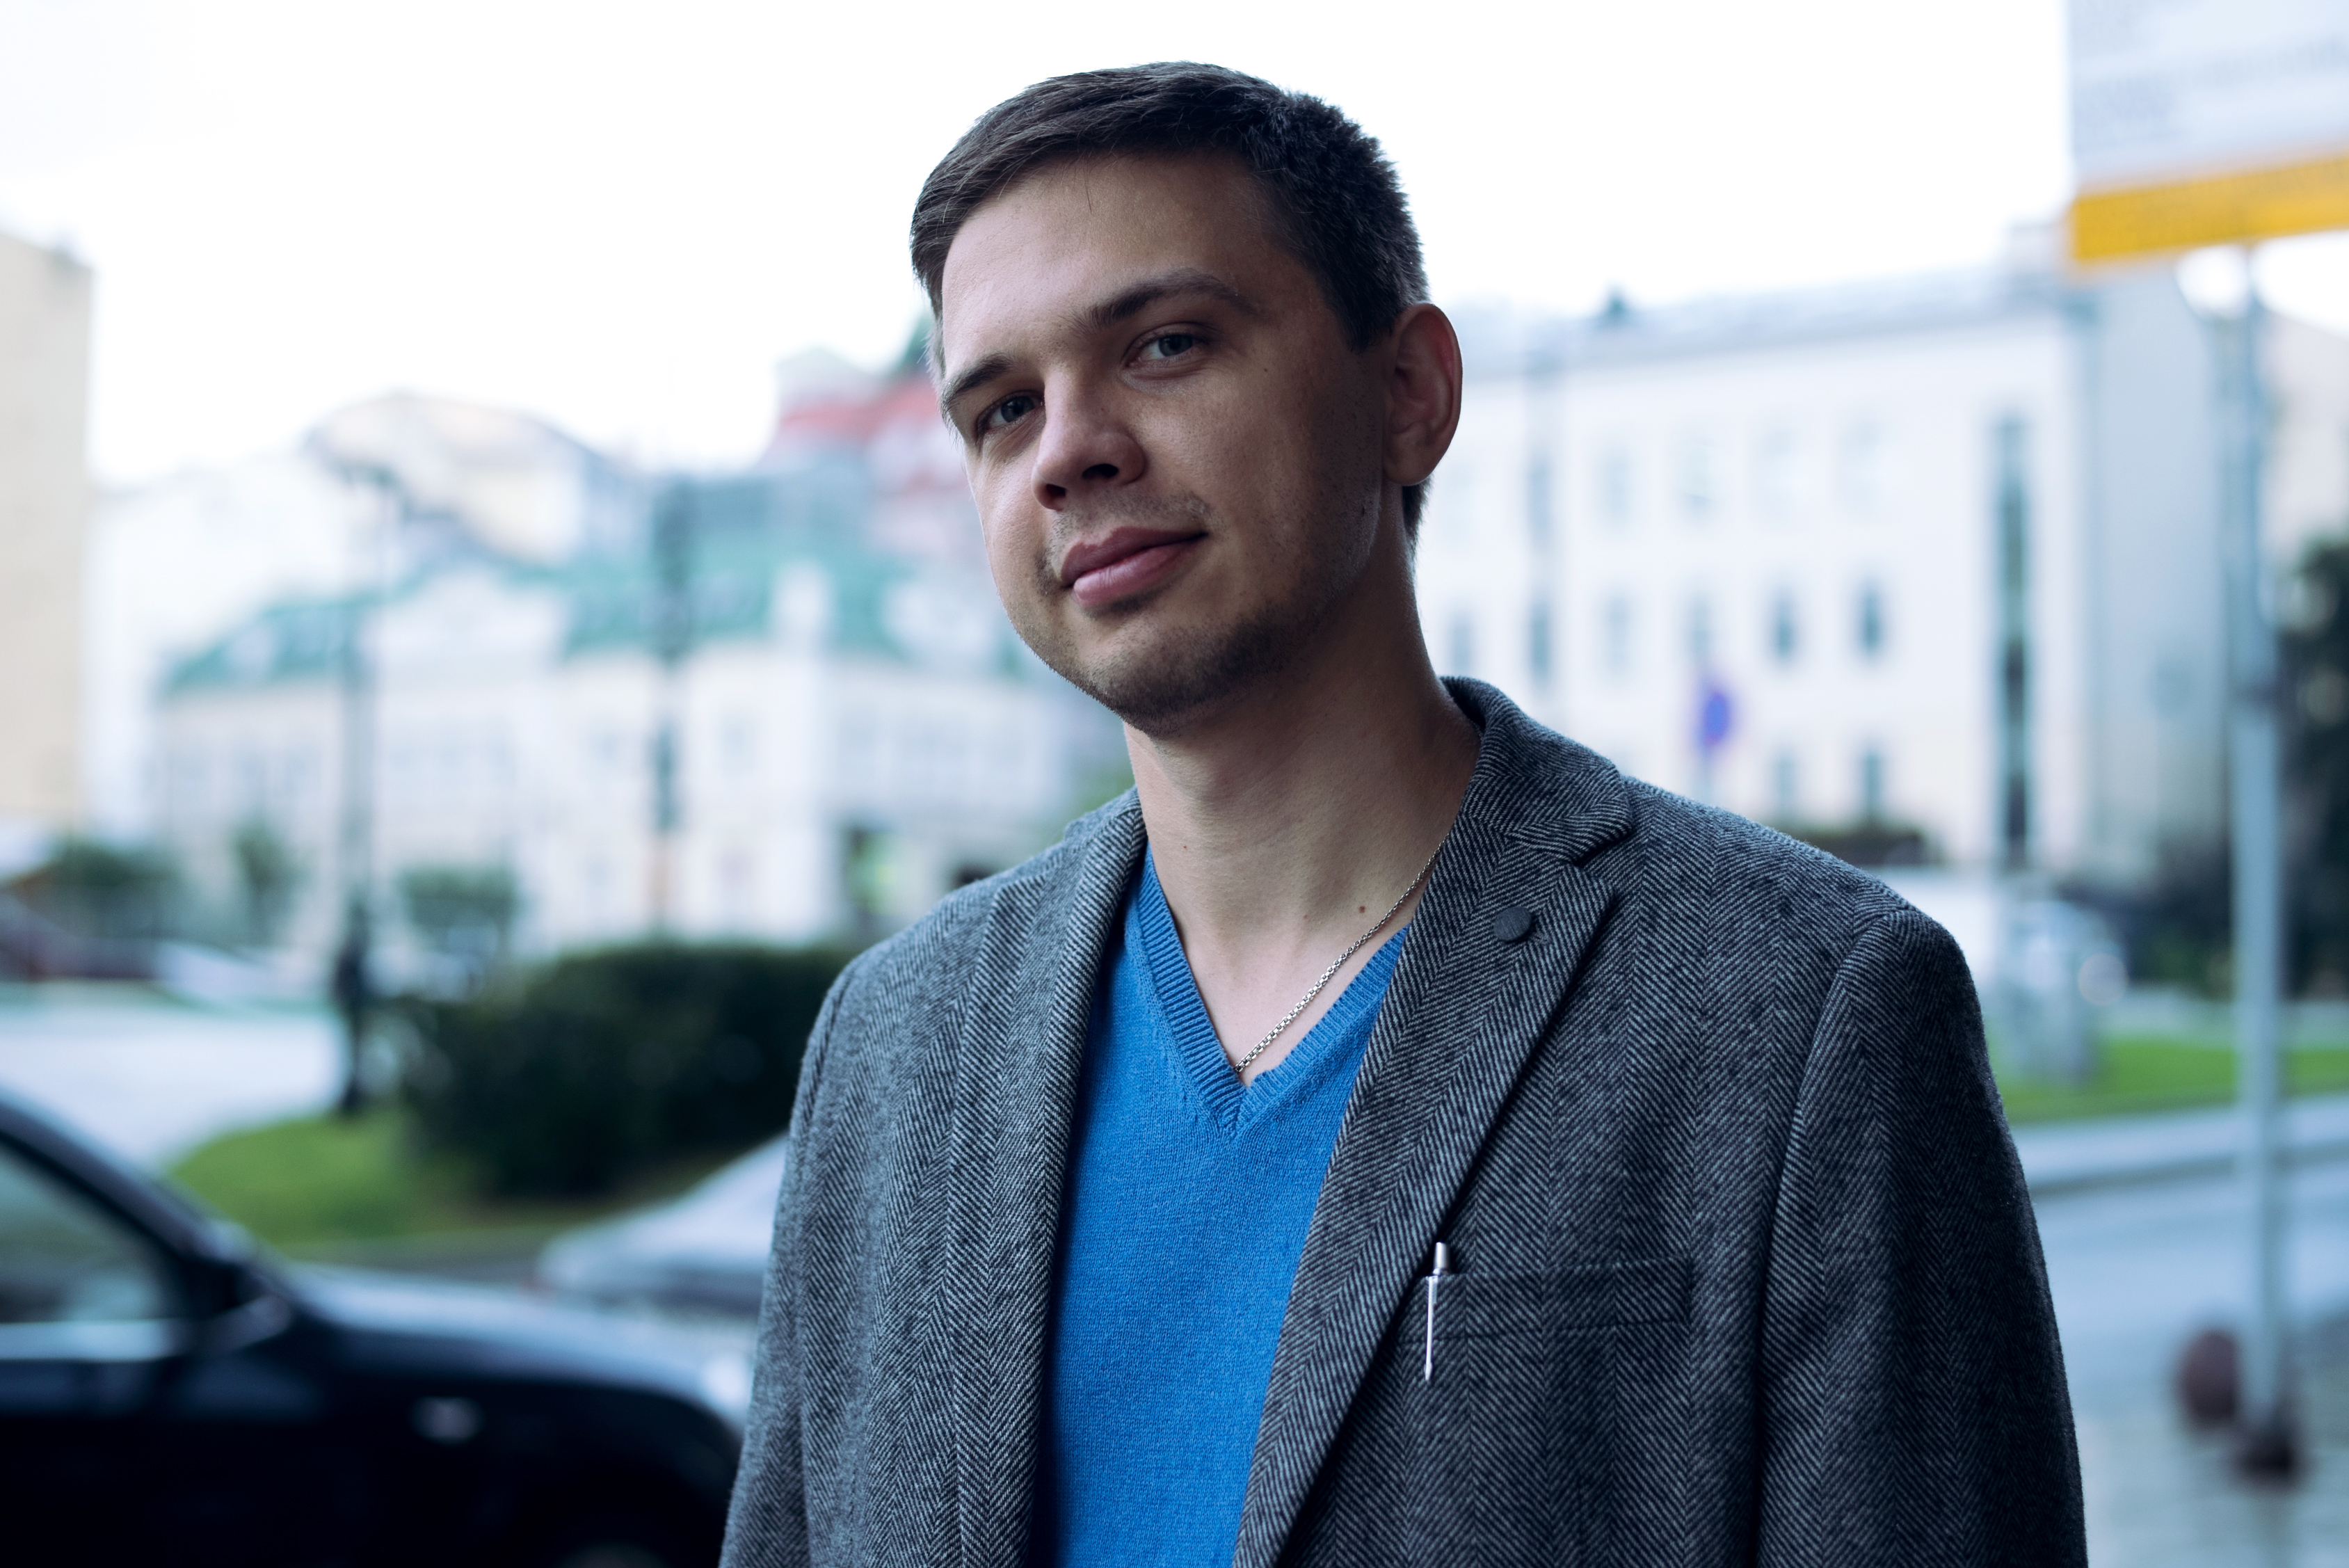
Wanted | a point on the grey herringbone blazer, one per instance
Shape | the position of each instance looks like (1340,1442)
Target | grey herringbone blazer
(1746,1269)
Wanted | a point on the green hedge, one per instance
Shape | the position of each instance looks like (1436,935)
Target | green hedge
(600,1065)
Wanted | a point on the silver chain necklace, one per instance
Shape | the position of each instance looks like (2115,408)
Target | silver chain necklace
(1241,1067)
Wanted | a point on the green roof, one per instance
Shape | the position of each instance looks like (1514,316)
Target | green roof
(298,640)
(748,534)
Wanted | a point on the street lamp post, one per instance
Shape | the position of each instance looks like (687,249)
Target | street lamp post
(2270,1442)
(351,982)
(672,640)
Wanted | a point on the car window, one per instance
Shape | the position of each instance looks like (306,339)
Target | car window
(62,1259)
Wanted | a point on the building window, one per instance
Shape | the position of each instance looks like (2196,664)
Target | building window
(187,779)
(1862,464)
(1700,631)
(740,746)
(252,782)
(1871,785)
(1870,627)
(1786,633)
(736,887)
(301,776)
(1454,520)
(1463,644)
(1615,622)
(860,751)
(596,881)
(1785,787)
(1774,476)
(1697,478)
(1537,642)
(1615,486)
(1537,502)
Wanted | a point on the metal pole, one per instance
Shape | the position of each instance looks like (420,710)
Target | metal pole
(2020,1010)
(2270,1444)
(350,981)
(672,639)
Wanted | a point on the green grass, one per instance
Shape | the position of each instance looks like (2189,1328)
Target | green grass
(2153,1073)
(314,1183)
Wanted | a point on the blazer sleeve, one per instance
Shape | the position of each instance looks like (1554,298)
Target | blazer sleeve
(1913,1403)
(766,1526)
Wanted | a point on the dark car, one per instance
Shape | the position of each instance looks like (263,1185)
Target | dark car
(170,1395)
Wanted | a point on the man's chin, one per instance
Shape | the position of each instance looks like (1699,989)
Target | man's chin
(1180,679)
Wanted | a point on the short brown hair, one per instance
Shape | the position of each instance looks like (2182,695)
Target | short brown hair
(1334,198)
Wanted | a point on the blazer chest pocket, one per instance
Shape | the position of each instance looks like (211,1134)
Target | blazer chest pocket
(1473,1307)
(1501,1441)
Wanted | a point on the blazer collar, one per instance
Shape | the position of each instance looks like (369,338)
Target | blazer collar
(1022,1037)
(1463,1014)
(1464,1010)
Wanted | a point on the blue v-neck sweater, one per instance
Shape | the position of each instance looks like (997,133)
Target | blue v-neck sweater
(1187,1202)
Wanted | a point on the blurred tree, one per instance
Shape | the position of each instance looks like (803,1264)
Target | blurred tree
(2316,715)
(2179,930)
(268,872)
(103,890)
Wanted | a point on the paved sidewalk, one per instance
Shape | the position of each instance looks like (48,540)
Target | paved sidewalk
(152,1078)
(2137,1268)
(2162,1496)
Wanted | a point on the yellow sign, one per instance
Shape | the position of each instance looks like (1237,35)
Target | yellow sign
(2217,210)
(2206,123)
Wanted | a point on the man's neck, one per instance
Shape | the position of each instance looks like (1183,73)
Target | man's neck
(1283,826)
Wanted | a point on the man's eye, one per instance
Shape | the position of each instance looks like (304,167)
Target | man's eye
(1009,412)
(1169,346)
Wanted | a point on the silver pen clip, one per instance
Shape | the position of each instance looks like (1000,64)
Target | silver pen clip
(1442,1267)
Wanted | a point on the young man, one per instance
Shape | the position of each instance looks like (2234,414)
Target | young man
(1388,1135)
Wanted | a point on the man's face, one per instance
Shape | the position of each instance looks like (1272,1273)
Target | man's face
(1177,460)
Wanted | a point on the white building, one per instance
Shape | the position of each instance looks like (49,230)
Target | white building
(174,565)
(45,303)
(1942,555)
(856,733)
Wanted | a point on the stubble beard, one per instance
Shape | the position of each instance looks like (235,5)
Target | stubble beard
(1162,684)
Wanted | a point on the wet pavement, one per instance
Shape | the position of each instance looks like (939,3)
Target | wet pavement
(2162,1497)
(2136,1272)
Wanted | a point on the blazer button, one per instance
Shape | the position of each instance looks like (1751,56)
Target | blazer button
(1511,924)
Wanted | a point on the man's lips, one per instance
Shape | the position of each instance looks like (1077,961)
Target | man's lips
(1123,563)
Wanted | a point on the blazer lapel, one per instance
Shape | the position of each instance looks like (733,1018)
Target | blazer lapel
(1018,1048)
(1464,1012)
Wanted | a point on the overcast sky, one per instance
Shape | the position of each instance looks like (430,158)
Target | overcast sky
(620,216)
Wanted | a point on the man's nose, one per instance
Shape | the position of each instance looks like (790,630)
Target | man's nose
(1086,449)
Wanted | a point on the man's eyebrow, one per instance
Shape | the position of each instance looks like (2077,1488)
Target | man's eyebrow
(978,375)
(1134,301)
(1121,307)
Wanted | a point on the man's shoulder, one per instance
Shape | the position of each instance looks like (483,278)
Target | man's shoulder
(1705,902)
(1669,853)
(934,956)
(1691,850)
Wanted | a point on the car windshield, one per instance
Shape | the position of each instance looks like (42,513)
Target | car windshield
(64,1260)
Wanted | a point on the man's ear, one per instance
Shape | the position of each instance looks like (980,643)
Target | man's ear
(1423,374)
